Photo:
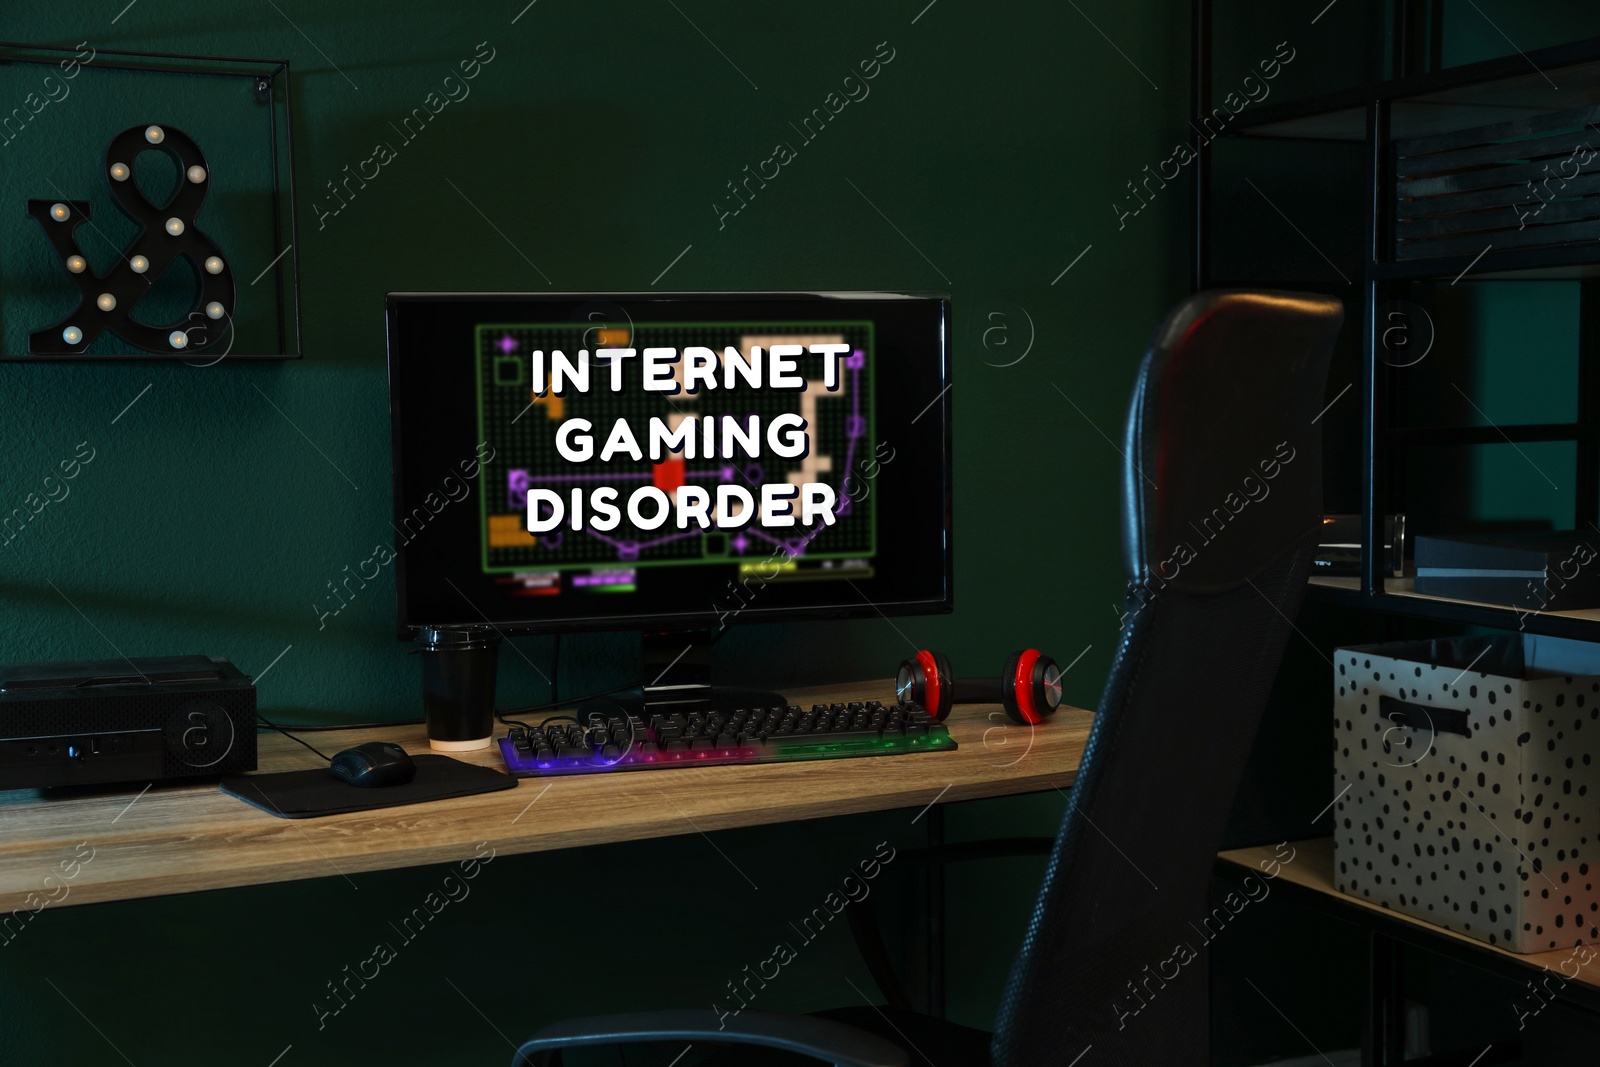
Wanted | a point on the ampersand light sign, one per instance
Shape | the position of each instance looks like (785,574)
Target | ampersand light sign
(166,232)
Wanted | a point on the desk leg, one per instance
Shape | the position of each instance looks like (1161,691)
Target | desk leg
(1383,1035)
(936,916)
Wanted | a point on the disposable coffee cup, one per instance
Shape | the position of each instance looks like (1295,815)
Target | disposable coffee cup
(458,676)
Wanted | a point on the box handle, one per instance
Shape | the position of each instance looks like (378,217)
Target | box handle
(1423,717)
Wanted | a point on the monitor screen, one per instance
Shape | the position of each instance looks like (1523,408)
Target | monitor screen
(668,461)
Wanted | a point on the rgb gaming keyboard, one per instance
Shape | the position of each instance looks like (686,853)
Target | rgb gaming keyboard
(616,741)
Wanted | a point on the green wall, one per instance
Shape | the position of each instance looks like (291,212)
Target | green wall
(991,147)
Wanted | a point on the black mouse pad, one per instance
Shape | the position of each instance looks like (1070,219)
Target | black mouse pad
(307,794)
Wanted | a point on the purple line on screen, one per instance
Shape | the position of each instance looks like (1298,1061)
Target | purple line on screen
(590,477)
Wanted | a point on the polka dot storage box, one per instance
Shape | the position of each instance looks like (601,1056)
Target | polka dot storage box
(1467,774)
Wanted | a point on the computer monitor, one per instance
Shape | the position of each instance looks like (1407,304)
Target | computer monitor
(668,463)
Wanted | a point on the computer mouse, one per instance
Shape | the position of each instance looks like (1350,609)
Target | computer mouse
(376,763)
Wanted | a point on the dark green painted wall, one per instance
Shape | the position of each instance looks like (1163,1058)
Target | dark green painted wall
(597,140)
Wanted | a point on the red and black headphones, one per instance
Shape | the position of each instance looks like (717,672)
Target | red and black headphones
(1029,687)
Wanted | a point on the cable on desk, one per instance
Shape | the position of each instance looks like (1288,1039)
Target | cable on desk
(309,727)
(504,716)
(555,670)
(261,719)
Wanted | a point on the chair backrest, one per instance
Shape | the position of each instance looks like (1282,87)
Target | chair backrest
(1222,498)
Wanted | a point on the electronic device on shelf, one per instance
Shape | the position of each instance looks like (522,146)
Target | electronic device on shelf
(148,719)
(613,740)
(826,499)
(1339,547)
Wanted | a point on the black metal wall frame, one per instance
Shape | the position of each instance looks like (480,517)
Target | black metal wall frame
(272,88)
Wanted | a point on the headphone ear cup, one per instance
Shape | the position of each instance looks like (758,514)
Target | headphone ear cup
(940,708)
(1008,689)
(926,679)
(943,698)
(908,684)
(1046,685)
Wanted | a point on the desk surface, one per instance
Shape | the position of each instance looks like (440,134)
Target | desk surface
(184,838)
(1313,869)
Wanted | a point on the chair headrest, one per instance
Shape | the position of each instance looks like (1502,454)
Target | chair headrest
(1223,463)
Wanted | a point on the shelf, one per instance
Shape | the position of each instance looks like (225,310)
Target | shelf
(1487,435)
(1400,598)
(1312,873)
(1475,94)
(1495,98)
(1556,263)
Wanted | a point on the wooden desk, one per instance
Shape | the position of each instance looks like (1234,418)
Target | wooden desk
(184,838)
(1312,870)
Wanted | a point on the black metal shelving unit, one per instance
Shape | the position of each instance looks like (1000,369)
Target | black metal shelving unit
(1372,118)
(1415,100)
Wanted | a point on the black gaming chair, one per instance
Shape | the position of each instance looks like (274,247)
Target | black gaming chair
(1222,497)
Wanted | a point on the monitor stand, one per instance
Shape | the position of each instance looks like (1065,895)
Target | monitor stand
(677,667)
